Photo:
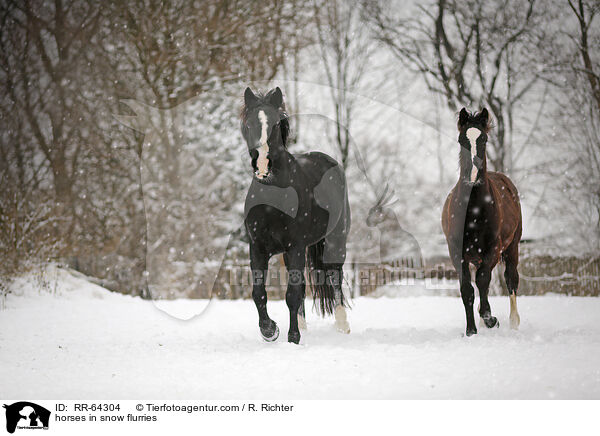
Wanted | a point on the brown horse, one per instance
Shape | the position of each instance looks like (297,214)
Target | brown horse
(482,222)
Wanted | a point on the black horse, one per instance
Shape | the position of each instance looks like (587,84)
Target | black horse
(482,222)
(296,205)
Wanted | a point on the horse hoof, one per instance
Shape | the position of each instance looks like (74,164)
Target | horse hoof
(269,330)
(491,322)
(471,331)
(343,327)
(294,337)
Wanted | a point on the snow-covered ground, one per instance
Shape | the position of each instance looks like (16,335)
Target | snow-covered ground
(82,341)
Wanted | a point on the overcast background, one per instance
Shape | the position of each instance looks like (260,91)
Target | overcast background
(120,151)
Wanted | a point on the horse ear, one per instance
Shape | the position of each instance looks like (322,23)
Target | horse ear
(483,116)
(249,97)
(276,97)
(463,117)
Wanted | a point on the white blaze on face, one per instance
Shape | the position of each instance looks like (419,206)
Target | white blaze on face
(262,163)
(472,135)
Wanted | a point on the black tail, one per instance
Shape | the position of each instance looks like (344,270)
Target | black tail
(321,280)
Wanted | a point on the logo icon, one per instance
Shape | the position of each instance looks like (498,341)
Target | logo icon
(26,415)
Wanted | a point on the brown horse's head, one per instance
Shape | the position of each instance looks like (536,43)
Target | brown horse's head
(472,136)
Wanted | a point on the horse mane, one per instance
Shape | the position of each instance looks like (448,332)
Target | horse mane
(473,117)
(263,99)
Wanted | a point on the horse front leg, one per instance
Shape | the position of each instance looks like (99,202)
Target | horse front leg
(467,292)
(294,297)
(259,263)
(482,279)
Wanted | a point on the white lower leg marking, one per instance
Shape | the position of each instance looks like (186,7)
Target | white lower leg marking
(262,163)
(472,134)
(301,322)
(515,319)
(341,320)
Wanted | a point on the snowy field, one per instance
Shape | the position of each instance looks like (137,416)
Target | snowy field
(82,341)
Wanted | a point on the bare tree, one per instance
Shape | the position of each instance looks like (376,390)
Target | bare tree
(473,53)
(186,63)
(44,50)
(65,67)
(50,47)
(577,78)
(585,12)
(345,47)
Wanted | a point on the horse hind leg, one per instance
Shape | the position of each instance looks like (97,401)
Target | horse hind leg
(515,319)
(326,260)
(302,317)
(341,318)
(511,275)
(334,256)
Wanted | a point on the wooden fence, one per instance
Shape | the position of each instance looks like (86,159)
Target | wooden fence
(538,275)
(562,275)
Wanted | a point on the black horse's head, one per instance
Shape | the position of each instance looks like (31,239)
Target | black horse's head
(265,128)
(473,130)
